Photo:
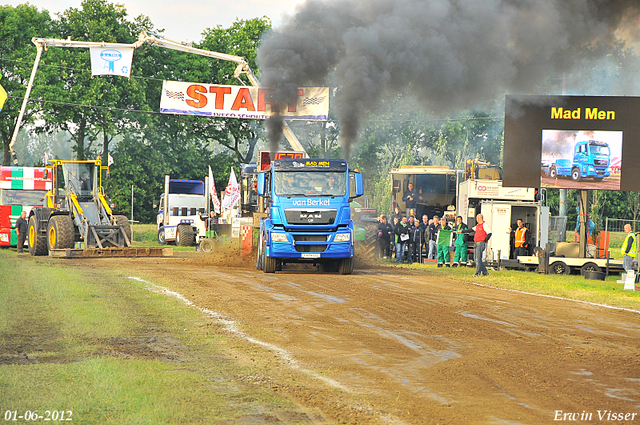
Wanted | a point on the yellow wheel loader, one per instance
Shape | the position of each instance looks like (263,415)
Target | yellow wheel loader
(76,210)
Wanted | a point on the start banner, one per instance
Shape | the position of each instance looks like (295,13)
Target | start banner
(241,102)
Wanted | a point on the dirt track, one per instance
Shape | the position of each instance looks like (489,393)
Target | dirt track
(609,183)
(398,346)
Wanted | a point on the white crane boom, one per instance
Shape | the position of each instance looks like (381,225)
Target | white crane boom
(143,38)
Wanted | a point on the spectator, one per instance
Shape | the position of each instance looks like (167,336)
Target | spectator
(394,225)
(522,239)
(384,237)
(21,231)
(460,256)
(410,197)
(481,237)
(411,245)
(434,227)
(444,240)
(402,237)
(423,229)
(396,214)
(628,249)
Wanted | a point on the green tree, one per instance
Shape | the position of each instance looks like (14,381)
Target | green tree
(17,54)
(90,109)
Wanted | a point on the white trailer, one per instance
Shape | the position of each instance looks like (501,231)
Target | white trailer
(501,207)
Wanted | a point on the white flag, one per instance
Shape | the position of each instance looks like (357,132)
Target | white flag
(109,160)
(214,193)
(232,192)
(111,61)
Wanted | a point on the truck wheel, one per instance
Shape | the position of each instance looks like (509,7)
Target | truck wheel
(270,264)
(559,267)
(184,237)
(553,172)
(575,175)
(590,267)
(123,221)
(37,242)
(346,265)
(61,232)
(161,239)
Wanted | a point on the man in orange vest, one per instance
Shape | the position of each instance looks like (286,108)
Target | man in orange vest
(523,239)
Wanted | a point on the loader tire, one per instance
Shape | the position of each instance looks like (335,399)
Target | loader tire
(123,221)
(37,242)
(60,233)
(184,237)
(346,265)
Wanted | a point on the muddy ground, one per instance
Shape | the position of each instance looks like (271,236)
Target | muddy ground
(388,345)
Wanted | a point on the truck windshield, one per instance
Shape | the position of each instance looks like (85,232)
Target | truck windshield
(599,150)
(21,197)
(305,183)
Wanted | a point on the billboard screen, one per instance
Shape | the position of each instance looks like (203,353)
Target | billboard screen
(576,142)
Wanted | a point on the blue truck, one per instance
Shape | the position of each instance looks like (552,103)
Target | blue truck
(308,214)
(591,159)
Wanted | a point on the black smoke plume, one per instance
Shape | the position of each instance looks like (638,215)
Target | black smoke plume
(450,54)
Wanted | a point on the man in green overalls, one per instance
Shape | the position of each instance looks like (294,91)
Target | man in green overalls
(460,256)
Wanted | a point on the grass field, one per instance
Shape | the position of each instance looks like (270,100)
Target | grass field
(98,348)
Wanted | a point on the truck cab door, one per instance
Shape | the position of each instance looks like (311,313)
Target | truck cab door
(355,185)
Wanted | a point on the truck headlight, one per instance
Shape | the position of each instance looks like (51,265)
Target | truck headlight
(278,237)
(592,168)
(342,237)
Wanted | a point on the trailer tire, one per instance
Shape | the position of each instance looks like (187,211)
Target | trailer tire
(590,267)
(184,237)
(346,265)
(270,264)
(575,174)
(37,242)
(123,221)
(61,232)
(558,267)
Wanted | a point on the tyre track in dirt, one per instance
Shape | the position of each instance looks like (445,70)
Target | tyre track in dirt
(421,348)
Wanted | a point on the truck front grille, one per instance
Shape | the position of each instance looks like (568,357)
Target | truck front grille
(311,248)
(600,162)
(310,238)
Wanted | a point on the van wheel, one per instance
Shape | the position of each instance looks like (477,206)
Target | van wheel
(37,242)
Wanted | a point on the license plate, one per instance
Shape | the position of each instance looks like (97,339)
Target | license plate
(305,255)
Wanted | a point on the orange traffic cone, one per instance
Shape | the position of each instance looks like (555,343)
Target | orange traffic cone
(556,182)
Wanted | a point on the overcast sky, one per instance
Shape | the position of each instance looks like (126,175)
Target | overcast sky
(185,19)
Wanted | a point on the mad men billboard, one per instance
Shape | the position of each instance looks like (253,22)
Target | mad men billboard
(575,142)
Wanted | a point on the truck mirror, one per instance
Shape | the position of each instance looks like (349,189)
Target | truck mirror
(260,187)
(356,189)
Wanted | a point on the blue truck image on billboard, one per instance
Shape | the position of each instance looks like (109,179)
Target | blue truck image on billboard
(308,214)
(591,159)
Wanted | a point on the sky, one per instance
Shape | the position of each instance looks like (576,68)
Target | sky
(185,20)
